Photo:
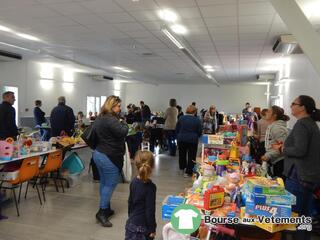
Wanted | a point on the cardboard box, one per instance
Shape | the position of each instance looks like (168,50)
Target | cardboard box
(267,210)
(262,185)
(264,199)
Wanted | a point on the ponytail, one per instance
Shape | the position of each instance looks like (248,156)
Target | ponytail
(310,106)
(279,113)
(144,163)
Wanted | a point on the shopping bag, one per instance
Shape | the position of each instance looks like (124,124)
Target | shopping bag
(89,136)
(127,168)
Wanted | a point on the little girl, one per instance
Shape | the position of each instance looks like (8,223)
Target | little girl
(141,224)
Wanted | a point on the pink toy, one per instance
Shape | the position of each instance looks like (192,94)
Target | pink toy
(6,150)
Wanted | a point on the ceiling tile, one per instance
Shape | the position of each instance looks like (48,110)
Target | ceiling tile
(151,39)
(5,4)
(145,16)
(29,11)
(139,34)
(100,6)
(117,17)
(225,37)
(194,23)
(188,13)
(200,31)
(87,19)
(215,2)
(256,20)
(256,8)
(221,21)
(128,27)
(152,26)
(254,29)
(219,11)
(69,8)
(176,3)
(223,31)
(248,36)
(129,5)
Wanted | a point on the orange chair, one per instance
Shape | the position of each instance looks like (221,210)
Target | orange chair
(52,165)
(28,170)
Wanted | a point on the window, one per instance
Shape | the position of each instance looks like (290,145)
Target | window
(97,104)
(91,105)
(15,105)
(103,99)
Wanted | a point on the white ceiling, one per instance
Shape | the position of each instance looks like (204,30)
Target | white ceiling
(236,36)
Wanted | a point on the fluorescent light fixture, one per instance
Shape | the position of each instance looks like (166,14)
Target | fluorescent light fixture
(172,38)
(126,70)
(67,86)
(28,36)
(18,47)
(46,84)
(209,76)
(210,70)
(267,93)
(118,68)
(179,29)
(5,29)
(168,15)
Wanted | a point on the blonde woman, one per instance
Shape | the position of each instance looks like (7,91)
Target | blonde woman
(108,155)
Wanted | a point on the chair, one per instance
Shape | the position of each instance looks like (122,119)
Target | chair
(51,166)
(28,170)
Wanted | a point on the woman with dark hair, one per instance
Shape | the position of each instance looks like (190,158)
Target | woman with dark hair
(108,155)
(277,132)
(302,155)
(171,117)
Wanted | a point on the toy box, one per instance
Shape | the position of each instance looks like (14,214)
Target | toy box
(212,139)
(286,199)
(169,204)
(213,198)
(267,210)
(272,228)
(262,185)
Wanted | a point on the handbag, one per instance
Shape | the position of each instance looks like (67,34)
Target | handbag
(90,137)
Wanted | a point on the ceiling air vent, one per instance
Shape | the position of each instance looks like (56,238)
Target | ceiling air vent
(9,57)
(287,44)
(101,77)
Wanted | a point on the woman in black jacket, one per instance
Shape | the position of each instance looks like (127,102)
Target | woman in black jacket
(302,156)
(108,155)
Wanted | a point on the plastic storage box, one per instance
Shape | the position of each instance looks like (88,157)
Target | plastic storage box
(73,164)
(169,204)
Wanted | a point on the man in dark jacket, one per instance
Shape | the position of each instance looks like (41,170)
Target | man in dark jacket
(62,118)
(145,112)
(8,127)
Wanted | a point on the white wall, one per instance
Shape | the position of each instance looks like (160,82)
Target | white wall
(302,80)
(227,98)
(26,76)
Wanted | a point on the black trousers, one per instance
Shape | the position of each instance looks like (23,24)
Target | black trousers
(187,156)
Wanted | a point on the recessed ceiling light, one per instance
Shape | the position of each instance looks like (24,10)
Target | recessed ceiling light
(28,36)
(118,68)
(207,66)
(179,29)
(168,15)
(5,29)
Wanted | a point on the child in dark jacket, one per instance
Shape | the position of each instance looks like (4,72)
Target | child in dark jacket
(141,224)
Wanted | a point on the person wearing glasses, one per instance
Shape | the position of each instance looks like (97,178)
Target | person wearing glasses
(111,132)
(302,155)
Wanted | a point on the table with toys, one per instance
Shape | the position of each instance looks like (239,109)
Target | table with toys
(228,183)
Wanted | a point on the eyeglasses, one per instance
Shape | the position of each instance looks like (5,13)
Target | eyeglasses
(293,104)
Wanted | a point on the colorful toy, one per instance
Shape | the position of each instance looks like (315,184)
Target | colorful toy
(208,171)
(221,166)
(214,198)
(262,185)
(267,210)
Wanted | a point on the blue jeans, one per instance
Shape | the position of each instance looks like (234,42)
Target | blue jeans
(109,177)
(304,206)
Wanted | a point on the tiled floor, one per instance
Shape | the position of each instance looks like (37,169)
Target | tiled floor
(71,215)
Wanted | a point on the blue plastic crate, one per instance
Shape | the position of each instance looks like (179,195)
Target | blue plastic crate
(169,204)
